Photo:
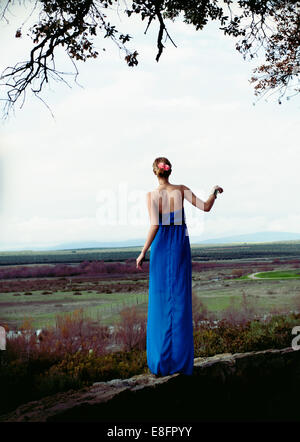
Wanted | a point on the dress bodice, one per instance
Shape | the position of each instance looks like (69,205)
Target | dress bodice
(176,217)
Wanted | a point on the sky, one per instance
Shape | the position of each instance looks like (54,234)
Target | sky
(83,174)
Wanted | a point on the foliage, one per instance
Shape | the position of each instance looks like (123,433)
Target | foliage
(59,270)
(29,372)
(253,335)
(131,330)
(240,314)
(92,259)
(200,312)
(73,25)
(237,273)
(85,369)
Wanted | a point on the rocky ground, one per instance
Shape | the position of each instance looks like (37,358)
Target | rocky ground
(261,385)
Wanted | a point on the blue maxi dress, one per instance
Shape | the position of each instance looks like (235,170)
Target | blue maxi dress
(170,343)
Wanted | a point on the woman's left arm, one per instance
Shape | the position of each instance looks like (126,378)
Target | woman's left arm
(151,234)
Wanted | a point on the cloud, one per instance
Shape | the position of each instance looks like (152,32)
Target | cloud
(194,106)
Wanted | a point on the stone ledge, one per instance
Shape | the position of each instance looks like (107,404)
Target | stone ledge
(261,385)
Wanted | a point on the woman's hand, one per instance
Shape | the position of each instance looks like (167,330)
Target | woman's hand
(139,261)
(218,188)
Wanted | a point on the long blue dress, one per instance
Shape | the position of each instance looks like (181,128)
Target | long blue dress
(170,344)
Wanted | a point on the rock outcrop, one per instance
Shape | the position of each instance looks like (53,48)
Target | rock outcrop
(261,385)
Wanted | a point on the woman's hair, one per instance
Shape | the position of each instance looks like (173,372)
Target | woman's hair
(159,171)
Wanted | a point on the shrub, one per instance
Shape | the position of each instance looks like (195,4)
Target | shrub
(252,335)
(237,273)
(31,368)
(131,330)
(235,314)
(200,312)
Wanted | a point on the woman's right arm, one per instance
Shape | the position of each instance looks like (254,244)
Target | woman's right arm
(197,202)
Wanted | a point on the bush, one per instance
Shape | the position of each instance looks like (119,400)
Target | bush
(31,368)
(247,336)
(237,314)
(200,312)
(131,330)
(86,369)
(237,273)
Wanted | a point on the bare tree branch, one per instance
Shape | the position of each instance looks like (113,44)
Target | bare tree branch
(268,26)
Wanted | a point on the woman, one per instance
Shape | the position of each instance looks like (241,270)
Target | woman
(170,344)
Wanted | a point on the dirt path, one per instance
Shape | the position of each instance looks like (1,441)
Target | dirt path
(252,275)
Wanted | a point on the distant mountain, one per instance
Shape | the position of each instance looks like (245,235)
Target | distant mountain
(88,245)
(251,237)
(244,238)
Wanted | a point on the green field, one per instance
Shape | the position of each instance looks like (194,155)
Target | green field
(273,274)
(216,283)
(278,274)
(42,309)
(263,295)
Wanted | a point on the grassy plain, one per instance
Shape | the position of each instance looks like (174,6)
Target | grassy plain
(217,281)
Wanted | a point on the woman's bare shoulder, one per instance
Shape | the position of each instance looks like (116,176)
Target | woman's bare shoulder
(177,186)
(152,191)
(183,187)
